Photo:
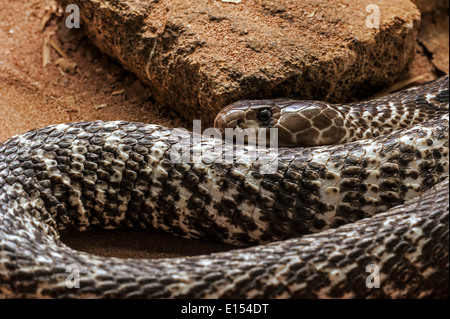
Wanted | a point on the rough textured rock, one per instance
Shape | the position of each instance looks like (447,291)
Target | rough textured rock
(434,35)
(434,31)
(428,6)
(199,55)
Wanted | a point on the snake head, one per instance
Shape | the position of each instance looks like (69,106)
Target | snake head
(248,114)
(299,123)
(247,117)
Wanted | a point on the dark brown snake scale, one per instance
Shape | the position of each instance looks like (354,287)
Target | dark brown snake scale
(329,212)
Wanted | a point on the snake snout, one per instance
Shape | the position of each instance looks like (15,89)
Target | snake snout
(230,118)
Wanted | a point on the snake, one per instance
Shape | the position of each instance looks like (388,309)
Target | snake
(356,204)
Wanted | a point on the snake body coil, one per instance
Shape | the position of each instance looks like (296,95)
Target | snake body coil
(380,202)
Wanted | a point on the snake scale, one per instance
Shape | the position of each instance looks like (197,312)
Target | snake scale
(314,225)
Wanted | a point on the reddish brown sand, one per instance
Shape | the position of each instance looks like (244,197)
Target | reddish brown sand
(33,96)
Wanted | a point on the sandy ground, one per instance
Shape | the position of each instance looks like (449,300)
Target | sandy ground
(33,96)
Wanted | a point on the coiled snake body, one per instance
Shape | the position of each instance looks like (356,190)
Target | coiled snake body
(332,211)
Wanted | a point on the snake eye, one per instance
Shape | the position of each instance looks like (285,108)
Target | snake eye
(264,115)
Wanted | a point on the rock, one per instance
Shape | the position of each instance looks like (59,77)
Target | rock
(434,35)
(198,56)
(428,6)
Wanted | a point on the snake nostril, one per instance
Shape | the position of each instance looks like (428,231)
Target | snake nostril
(240,123)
